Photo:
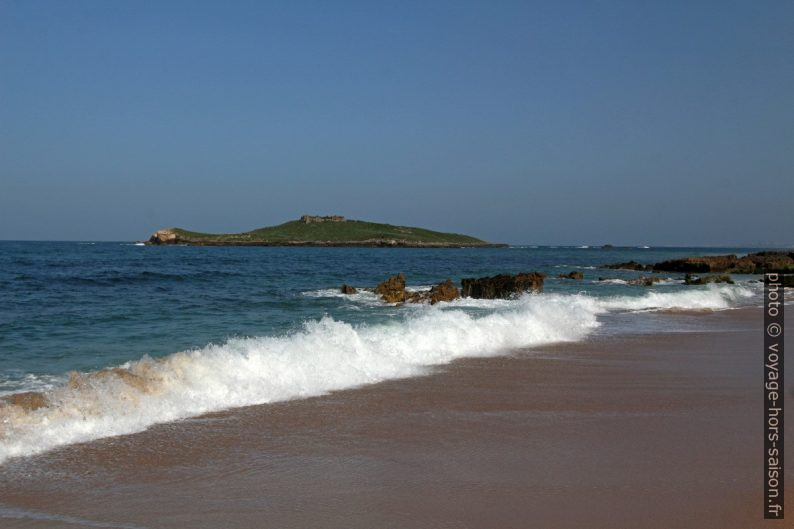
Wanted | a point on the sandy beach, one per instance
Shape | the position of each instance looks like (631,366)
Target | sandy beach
(643,431)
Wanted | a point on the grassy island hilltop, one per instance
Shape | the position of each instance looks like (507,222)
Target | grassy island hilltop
(324,231)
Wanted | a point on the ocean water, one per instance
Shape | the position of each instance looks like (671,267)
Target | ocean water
(204,329)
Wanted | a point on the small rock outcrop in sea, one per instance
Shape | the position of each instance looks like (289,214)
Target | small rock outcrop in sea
(699,265)
(754,263)
(689,279)
(572,275)
(502,286)
(446,291)
(28,400)
(645,281)
(392,290)
(347,289)
(630,265)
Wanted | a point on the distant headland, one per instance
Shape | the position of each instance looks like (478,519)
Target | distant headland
(333,230)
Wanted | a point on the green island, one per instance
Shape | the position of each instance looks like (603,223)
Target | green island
(334,230)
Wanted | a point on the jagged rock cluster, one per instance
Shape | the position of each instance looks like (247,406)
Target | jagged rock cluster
(754,263)
(716,266)
(630,265)
(502,286)
(393,291)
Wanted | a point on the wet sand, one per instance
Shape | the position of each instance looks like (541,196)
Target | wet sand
(638,431)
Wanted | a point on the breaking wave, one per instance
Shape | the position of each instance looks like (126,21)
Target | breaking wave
(326,355)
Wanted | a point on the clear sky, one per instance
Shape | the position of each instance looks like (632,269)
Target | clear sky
(662,123)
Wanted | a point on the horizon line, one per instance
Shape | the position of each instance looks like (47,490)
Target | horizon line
(582,246)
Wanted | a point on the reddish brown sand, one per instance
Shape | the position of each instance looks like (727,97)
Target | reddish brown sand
(643,431)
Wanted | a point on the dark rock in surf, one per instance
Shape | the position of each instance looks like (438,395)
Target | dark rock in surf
(644,281)
(572,275)
(502,286)
(699,265)
(630,265)
(347,289)
(446,291)
(392,290)
(689,279)
(769,261)
(754,263)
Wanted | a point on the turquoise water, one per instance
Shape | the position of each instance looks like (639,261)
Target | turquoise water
(195,330)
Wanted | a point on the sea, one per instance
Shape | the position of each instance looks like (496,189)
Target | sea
(119,336)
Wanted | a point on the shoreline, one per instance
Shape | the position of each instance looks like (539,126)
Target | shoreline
(645,430)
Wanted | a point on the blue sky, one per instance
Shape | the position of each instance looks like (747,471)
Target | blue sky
(663,123)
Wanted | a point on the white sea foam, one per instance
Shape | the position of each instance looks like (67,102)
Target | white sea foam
(326,355)
(710,297)
(366,297)
(670,281)
(362,297)
(662,282)
(612,282)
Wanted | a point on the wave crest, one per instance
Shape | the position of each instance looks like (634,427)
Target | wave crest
(326,355)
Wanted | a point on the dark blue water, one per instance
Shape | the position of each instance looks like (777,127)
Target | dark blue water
(82,306)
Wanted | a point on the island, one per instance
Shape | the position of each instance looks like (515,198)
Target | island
(334,230)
